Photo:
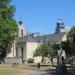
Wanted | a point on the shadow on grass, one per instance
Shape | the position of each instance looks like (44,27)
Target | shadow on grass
(52,71)
(70,71)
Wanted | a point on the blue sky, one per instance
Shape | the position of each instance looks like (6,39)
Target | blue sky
(41,15)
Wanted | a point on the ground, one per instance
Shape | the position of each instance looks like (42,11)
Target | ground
(24,69)
(30,69)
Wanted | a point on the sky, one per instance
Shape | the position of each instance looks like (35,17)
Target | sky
(41,15)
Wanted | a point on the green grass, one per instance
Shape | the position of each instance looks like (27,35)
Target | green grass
(7,72)
(9,69)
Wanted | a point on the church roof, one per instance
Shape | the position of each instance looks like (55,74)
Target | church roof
(53,37)
(25,39)
(56,37)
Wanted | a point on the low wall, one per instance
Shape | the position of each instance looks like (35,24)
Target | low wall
(11,60)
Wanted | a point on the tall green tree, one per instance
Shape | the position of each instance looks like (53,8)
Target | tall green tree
(8,25)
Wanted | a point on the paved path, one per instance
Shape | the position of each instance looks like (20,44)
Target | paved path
(31,72)
(40,71)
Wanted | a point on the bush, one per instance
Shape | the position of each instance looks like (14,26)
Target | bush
(30,60)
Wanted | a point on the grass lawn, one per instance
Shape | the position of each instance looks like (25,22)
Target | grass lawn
(9,70)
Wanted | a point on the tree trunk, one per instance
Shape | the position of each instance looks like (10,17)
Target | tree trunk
(52,61)
(42,58)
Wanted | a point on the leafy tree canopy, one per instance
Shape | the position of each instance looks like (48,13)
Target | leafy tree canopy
(69,45)
(46,49)
(8,26)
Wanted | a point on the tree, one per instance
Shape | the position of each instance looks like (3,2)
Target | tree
(47,49)
(71,38)
(41,51)
(69,45)
(8,26)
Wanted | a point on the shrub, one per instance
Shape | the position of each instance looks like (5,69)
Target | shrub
(30,60)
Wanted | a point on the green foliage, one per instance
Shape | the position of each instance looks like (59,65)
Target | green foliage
(46,49)
(56,46)
(66,46)
(30,60)
(8,26)
(50,49)
(42,50)
(71,38)
(69,45)
(6,10)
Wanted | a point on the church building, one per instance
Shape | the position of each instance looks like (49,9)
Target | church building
(25,44)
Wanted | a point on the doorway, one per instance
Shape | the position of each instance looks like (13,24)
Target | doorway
(22,55)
